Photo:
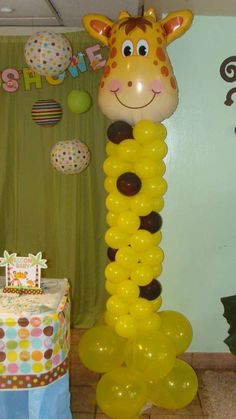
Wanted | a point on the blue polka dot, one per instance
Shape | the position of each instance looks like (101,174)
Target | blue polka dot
(25,368)
(11,333)
(36,343)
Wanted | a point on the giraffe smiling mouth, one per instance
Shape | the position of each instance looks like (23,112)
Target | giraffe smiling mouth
(135,107)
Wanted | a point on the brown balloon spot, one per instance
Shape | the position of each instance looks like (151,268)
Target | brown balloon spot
(106,71)
(155,62)
(173,83)
(164,71)
(2,333)
(48,331)
(114,64)
(159,40)
(113,41)
(130,83)
(160,54)
(102,84)
(113,52)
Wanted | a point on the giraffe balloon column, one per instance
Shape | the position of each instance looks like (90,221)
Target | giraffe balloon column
(136,347)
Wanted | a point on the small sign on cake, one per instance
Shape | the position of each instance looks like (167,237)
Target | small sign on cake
(23,274)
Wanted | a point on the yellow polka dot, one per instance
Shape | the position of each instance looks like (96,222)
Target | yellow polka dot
(48,365)
(14,378)
(10,322)
(11,356)
(35,380)
(56,349)
(37,367)
(42,383)
(2,369)
(24,344)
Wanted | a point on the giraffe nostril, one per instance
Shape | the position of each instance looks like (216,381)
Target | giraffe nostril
(130,83)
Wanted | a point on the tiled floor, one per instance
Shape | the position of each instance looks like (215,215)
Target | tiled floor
(83,388)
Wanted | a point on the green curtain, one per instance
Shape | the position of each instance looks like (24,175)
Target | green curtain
(41,209)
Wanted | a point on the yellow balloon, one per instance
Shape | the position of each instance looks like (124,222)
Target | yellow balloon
(114,166)
(110,184)
(111,287)
(145,168)
(115,273)
(141,240)
(157,237)
(153,356)
(149,326)
(111,148)
(128,291)
(127,258)
(116,202)
(157,270)
(156,304)
(116,238)
(129,150)
(142,274)
(146,131)
(177,389)
(128,221)
(153,256)
(158,203)
(155,186)
(177,328)
(126,326)
(112,218)
(110,319)
(121,393)
(101,349)
(141,309)
(117,306)
(141,204)
(155,150)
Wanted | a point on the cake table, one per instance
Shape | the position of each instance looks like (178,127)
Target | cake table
(34,348)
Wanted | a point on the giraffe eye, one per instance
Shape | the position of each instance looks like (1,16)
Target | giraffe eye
(142,47)
(127,48)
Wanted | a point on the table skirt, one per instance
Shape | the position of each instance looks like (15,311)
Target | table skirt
(49,402)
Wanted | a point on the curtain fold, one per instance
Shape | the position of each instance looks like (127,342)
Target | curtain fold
(44,210)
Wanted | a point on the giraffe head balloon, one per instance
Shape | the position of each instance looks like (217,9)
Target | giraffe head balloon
(138,80)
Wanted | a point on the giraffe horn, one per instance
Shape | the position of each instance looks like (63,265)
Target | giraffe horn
(151,13)
(123,14)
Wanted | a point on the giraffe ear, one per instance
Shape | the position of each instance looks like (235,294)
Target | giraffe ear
(176,24)
(151,13)
(98,26)
(123,14)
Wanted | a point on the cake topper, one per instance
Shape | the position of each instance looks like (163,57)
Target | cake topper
(23,274)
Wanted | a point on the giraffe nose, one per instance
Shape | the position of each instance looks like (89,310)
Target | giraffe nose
(130,83)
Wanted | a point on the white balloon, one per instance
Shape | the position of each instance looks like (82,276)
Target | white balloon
(70,156)
(48,53)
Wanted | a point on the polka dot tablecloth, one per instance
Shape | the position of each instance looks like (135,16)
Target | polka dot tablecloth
(34,347)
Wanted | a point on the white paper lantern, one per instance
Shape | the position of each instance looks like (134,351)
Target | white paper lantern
(70,157)
(48,53)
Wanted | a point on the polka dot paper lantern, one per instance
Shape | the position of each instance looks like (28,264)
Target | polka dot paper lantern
(70,157)
(46,113)
(48,53)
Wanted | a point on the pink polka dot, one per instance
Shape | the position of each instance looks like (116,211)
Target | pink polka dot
(12,368)
(56,359)
(36,332)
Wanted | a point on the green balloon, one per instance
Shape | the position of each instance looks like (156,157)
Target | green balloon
(79,101)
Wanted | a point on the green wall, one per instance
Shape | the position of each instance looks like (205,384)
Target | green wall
(199,231)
